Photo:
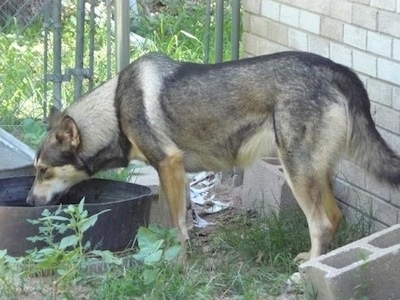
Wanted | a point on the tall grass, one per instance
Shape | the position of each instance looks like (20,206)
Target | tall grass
(177,30)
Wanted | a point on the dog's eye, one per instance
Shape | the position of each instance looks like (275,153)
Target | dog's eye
(42,171)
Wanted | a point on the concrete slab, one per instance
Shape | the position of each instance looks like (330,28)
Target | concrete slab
(16,158)
(145,175)
(366,268)
(265,188)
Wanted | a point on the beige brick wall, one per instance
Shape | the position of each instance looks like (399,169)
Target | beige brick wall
(361,34)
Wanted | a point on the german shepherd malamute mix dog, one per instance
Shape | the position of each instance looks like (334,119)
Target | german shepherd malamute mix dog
(180,116)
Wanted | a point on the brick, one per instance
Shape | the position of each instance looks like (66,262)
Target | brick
(298,3)
(384,211)
(389,23)
(389,70)
(270,9)
(396,49)
(367,267)
(379,91)
(250,43)
(259,26)
(364,63)
(268,47)
(379,43)
(253,6)
(365,16)
(341,10)
(340,54)
(377,188)
(384,4)
(246,22)
(353,173)
(355,36)
(395,200)
(278,33)
(366,2)
(310,21)
(332,28)
(392,139)
(298,40)
(318,45)
(396,98)
(289,15)
(385,117)
(353,196)
(363,78)
(318,6)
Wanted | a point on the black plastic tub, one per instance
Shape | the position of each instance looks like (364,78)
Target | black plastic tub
(115,230)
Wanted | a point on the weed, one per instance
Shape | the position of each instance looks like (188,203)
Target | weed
(63,257)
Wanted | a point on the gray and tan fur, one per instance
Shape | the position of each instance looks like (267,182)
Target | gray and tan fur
(180,117)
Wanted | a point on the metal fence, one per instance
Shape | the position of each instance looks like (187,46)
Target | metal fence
(53,51)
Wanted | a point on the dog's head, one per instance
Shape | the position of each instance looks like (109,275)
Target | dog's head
(58,163)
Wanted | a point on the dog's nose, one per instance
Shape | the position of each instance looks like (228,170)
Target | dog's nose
(30,199)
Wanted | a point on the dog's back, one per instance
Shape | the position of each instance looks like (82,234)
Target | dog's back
(181,116)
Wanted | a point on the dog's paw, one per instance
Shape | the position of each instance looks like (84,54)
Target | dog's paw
(302,257)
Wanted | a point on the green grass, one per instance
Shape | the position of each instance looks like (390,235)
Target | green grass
(178,30)
(246,257)
(249,258)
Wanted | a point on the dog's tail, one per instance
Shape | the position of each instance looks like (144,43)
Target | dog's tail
(366,146)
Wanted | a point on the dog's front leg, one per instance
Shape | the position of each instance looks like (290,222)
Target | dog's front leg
(172,177)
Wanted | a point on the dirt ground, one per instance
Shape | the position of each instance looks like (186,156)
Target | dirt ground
(225,190)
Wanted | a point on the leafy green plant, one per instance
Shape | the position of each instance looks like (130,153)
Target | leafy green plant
(33,132)
(64,255)
(156,245)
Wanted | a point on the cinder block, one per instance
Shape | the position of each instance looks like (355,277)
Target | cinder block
(265,188)
(368,267)
(389,70)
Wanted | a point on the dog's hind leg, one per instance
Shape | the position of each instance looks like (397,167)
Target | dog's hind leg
(315,198)
(172,178)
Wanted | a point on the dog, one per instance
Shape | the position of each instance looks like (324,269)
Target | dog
(185,117)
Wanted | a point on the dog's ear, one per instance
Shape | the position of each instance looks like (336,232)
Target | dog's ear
(54,116)
(68,134)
